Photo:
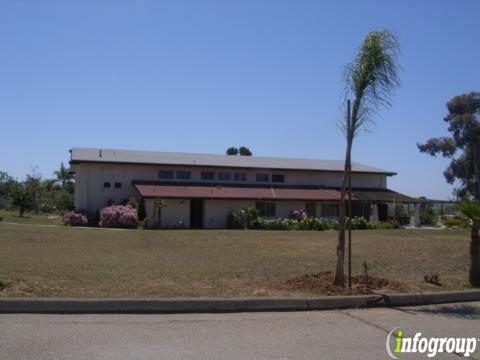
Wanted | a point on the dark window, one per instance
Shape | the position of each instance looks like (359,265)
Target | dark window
(278,178)
(208,175)
(165,174)
(184,175)
(224,176)
(240,177)
(329,210)
(266,209)
(106,185)
(263,177)
(118,185)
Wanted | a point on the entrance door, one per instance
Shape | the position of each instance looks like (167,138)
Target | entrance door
(196,214)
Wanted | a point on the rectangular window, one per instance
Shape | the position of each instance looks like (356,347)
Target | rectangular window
(263,177)
(208,175)
(106,185)
(224,176)
(165,174)
(184,175)
(266,209)
(118,185)
(240,177)
(278,178)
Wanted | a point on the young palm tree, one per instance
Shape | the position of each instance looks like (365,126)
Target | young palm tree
(370,79)
(63,175)
(470,211)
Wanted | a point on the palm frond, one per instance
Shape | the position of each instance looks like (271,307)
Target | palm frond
(371,76)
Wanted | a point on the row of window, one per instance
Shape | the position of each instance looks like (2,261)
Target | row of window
(220,176)
(108,185)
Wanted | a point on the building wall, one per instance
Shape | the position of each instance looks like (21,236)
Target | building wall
(92,195)
(175,215)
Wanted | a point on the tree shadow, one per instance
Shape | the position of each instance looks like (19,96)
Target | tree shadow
(459,311)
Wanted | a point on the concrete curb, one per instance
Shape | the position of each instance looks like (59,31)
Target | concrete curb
(223,305)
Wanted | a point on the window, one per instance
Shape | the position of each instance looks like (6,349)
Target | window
(240,177)
(118,185)
(106,185)
(263,177)
(266,209)
(224,176)
(329,210)
(278,178)
(184,175)
(165,174)
(208,175)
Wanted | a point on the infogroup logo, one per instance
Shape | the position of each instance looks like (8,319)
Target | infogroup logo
(398,343)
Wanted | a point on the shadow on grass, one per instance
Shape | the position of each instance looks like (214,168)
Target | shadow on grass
(459,311)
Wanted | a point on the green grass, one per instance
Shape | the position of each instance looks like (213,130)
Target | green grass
(31,218)
(71,262)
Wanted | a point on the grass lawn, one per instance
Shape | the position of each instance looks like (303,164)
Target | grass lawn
(30,218)
(71,262)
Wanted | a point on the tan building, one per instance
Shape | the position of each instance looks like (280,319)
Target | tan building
(200,189)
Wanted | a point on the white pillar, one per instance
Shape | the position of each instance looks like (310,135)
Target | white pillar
(373,212)
(415,216)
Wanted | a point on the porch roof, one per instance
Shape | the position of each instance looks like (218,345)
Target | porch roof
(227,192)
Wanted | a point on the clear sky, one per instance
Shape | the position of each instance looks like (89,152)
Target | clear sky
(199,76)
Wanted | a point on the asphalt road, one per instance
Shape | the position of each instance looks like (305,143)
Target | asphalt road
(345,334)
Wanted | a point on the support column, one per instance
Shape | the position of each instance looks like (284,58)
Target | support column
(415,216)
(373,212)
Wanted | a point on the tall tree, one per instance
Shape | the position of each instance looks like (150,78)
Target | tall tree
(63,175)
(470,210)
(6,184)
(370,79)
(244,151)
(232,151)
(463,124)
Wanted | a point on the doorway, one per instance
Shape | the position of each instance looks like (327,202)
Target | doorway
(196,214)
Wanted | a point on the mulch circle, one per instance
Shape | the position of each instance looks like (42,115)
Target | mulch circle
(322,283)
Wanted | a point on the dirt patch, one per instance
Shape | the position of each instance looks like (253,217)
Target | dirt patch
(322,284)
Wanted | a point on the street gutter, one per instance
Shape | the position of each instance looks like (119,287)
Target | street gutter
(226,305)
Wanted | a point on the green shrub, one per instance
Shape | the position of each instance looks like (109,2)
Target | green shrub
(454,223)
(246,218)
(383,225)
(428,216)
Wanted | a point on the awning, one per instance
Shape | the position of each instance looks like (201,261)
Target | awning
(227,192)
(384,196)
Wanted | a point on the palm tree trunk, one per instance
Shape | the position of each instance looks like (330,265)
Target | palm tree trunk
(339,270)
(475,255)
(339,279)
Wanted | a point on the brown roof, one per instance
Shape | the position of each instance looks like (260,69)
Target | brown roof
(219,192)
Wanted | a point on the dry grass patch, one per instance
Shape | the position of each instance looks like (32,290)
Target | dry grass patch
(72,262)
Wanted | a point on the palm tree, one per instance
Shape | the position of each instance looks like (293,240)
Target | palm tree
(63,175)
(370,78)
(470,211)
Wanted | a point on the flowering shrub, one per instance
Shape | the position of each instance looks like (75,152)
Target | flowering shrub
(298,215)
(118,216)
(76,218)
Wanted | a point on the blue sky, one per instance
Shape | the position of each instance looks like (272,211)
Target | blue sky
(199,76)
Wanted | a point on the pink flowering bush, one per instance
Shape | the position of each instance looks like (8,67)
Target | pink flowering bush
(76,218)
(299,214)
(119,216)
